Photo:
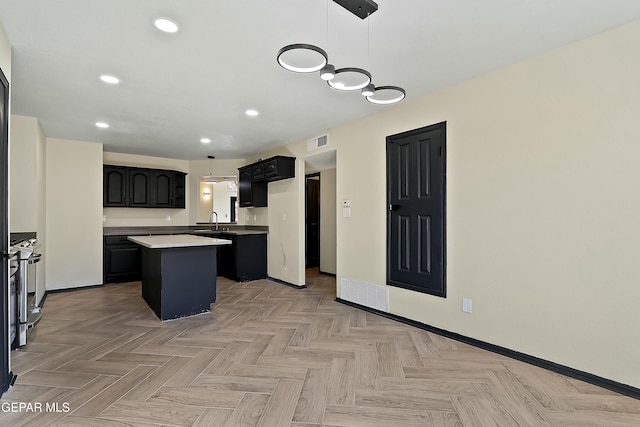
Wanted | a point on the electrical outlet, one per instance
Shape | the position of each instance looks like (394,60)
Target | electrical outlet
(167,218)
(467,305)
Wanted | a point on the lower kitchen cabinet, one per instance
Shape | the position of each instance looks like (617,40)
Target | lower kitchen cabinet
(122,260)
(245,259)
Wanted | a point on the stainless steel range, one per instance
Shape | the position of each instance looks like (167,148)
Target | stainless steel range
(23,314)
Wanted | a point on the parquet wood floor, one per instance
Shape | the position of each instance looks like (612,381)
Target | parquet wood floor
(268,355)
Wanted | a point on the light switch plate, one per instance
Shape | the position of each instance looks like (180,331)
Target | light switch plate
(346,212)
(467,305)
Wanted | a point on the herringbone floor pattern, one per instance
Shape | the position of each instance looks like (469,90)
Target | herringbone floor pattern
(269,355)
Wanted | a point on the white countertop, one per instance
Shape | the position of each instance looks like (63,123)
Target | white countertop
(177,241)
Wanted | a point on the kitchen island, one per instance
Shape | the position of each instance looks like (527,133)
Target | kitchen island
(178,273)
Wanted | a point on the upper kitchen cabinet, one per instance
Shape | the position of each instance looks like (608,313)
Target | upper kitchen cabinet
(143,188)
(279,167)
(139,188)
(115,187)
(253,179)
(251,193)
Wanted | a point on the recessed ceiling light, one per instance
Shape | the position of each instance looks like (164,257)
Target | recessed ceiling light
(166,25)
(109,79)
(205,140)
(251,113)
(102,125)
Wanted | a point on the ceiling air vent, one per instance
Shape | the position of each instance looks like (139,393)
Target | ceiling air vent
(317,142)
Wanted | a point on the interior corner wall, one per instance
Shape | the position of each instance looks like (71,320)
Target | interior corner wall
(328,213)
(28,185)
(24,202)
(74,214)
(541,205)
(41,189)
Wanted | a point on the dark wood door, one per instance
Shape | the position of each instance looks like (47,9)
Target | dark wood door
(139,188)
(416,210)
(162,189)
(114,184)
(6,377)
(313,222)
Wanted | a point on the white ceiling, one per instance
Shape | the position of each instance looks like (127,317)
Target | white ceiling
(177,88)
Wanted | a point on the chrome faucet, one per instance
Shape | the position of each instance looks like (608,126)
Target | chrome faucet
(210,220)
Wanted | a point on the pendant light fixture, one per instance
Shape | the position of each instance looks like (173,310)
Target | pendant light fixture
(386,95)
(302,58)
(307,58)
(368,90)
(350,79)
(210,178)
(328,72)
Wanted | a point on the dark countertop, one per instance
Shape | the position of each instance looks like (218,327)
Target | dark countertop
(231,229)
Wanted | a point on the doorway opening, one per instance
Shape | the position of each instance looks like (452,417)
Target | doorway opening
(312,221)
(320,221)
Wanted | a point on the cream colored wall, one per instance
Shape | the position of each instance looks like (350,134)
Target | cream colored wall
(41,168)
(120,217)
(74,213)
(328,212)
(542,207)
(5,56)
(5,66)
(28,185)
(205,206)
(24,202)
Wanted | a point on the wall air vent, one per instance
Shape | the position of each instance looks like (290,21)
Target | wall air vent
(317,142)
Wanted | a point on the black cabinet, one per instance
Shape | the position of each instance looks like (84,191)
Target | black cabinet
(162,188)
(252,193)
(115,188)
(253,179)
(139,186)
(250,257)
(258,171)
(244,259)
(279,167)
(179,190)
(122,260)
(143,188)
